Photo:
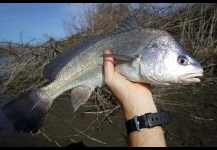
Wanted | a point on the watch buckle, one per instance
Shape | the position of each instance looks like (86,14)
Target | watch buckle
(136,123)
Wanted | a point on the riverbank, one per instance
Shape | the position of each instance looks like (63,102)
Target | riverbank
(193,109)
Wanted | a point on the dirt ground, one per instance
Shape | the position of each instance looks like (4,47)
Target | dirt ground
(194,124)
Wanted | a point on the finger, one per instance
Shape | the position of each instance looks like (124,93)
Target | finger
(108,64)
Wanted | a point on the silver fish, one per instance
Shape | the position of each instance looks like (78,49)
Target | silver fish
(143,54)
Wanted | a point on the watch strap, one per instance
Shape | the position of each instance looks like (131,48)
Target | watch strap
(147,120)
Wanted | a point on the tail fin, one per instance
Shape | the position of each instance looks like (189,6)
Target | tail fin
(27,112)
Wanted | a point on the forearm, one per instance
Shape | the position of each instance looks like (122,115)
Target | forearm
(140,104)
(148,137)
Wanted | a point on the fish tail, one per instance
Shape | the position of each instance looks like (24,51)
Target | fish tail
(27,112)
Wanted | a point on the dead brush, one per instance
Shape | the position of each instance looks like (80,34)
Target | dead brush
(24,71)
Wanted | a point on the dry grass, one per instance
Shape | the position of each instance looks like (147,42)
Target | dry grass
(193,25)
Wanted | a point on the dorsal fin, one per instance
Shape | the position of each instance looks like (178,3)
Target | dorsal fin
(128,23)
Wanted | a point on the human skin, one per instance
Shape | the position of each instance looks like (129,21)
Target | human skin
(135,99)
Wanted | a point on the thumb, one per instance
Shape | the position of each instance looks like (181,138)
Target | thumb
(109,69)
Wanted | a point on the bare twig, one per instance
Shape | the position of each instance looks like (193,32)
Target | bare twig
(90,137)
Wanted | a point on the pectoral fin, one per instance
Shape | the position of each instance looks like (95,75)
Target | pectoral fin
(120,57)
(80,95)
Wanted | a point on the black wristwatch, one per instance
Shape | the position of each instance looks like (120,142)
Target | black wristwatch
(147,120)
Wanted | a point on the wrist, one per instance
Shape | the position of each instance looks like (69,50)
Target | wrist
(138,107)
(139,102)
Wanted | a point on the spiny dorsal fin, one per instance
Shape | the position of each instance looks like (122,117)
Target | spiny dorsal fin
(128,23)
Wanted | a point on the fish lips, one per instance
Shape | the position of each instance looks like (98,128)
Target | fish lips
(190,78)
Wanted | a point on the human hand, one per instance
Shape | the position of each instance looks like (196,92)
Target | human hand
(135,98)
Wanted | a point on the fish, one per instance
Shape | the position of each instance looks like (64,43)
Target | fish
(142,54)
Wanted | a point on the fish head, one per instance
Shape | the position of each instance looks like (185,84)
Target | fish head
(166,62)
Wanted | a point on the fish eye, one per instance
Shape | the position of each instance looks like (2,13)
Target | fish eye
(182,60)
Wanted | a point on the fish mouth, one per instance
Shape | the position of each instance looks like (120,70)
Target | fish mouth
(191,77)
